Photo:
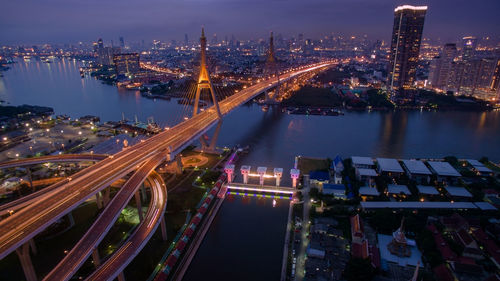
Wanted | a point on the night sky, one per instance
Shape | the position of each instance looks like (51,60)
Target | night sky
(62,21)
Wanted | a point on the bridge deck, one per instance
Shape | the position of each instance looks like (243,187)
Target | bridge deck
(25,224)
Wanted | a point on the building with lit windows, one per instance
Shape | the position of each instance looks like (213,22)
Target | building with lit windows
(126,64)
(441,67)
(405,47)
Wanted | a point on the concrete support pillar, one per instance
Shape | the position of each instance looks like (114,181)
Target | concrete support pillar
(245,170)
(139,204)
(213,141)
(30,178)
(95,258)
(143,193)
(229,169)
(71,219)
(178,166)
(106,195)
(33,246)
(23,253)
(294,173)
(163,226)
(98,200)
(121,276)
(262,172)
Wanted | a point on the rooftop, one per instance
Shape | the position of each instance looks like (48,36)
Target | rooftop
(458,191)
(371,191)
(413,259)
(485,206)
(416,167)
(479,166)
(397,189)
(422,189)
(443,169)
(417,205)
(366,172)
(358,160)
(389,165)
(319,175)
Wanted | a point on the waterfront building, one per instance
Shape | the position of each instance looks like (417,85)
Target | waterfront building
(105,54)
(126,64)
(468,77)
(405,46)
(441,66)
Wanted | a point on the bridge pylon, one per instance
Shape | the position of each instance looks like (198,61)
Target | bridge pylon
(271,68)
(204,82)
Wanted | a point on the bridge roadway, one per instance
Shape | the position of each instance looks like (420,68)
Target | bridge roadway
(123,256)
(17,204)
(68,266)
(25,224)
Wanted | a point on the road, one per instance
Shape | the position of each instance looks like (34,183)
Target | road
(123,256)
(304,240)
(30,198)
(25,224)
(83,249)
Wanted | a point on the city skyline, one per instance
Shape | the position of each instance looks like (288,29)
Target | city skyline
(53,22)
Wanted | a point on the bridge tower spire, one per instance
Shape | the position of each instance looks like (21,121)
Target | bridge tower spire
(204,81)
(271,68)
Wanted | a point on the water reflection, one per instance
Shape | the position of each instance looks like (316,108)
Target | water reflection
(392,132)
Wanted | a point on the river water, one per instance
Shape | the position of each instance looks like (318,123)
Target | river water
(247,230)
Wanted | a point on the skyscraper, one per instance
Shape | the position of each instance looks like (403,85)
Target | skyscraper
(100,44)
(468,47)
(405,46)
(186,41)
(122,42)
(441,66)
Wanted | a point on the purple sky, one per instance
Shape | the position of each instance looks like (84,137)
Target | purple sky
(61,21)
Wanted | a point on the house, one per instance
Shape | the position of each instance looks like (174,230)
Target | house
(464,238)
(367,176)
(367,191)
(362,162)
(318,178)
(400,191)
(460,193)
(444,171)
(428,191)
(479,168)
(389,167)
(417,171)
(337,190)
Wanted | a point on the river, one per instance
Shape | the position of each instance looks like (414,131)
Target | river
(247,236)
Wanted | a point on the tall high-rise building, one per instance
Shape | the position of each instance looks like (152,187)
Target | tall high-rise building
(405,46)
(495,81)
(100,44)
(186,41)
(126,64)
(441,66)
(105,55)
(468,47)
(122,42)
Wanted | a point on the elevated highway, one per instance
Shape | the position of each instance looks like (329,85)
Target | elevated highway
(25,224)
(17,204)
(83,249)
(123,256)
